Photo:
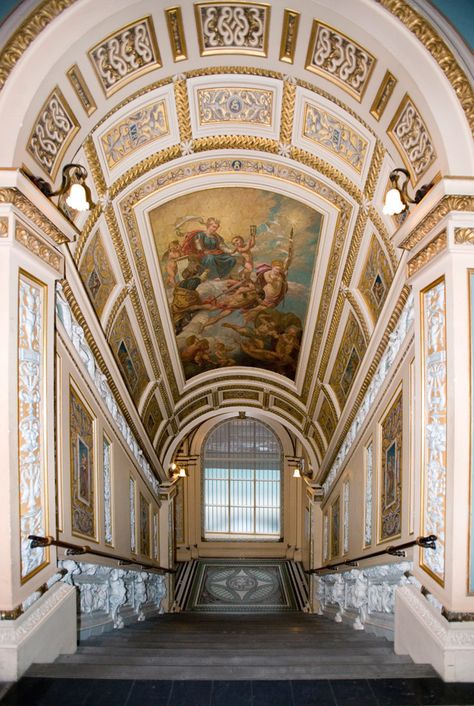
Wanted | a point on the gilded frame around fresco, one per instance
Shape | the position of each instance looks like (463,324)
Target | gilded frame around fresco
(396,398)
(25,276)
(423,292)
(73,387)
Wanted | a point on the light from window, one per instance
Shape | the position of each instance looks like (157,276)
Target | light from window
(242,488)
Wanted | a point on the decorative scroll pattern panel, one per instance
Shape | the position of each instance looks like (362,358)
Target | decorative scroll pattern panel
(140,128)
(345,499)
(410,136)
(125,55)
(31,429)
(434,424)
(54,128)
(331,132)
(339,59)
(230,28)
(133,523)
(239,105)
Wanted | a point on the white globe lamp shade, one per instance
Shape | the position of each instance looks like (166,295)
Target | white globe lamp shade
(393,203)
(77,198)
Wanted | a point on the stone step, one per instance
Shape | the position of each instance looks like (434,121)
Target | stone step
(173,653)
(357,670)
(216,660)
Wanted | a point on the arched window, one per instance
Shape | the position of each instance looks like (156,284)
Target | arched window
(242,462)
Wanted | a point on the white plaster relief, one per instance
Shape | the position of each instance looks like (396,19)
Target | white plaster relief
(103,589)
(76,335)
(397,337)
(54,128)
(359,593)
(108,537)
(345,498)
(435,424)
(235,105)
(368,495)
(133,523)
(412,137)
(30,421)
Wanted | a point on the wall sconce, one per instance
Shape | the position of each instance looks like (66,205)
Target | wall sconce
(397,199)
(73,184)
(301,471)
(177,472)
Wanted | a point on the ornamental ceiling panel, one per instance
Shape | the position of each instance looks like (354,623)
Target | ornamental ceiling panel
(126,351)
(237,267)
(375,279)
(96,273)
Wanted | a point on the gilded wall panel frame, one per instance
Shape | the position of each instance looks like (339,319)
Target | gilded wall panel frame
(434,425)
(390,476)
(31,412)
(83,465)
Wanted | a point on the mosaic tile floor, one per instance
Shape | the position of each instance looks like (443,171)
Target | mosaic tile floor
(242,587)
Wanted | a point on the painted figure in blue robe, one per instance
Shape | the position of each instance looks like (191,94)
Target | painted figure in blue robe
(211,250)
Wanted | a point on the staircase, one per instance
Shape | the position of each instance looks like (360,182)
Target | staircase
(209,647)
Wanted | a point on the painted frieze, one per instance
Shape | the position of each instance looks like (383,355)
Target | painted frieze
(152,417)
(96,273)
(375,279)
(235,105)
(127,354)
(390,487)
(237,279)
(348,359)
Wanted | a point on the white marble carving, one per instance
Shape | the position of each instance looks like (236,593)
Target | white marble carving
(110,591)
(53,130)
(30,421)
(108,537)
(435,424)
(240,27)
(369,460)
(340,59)
(125,54)
(345,500)
(356,595)
(133,522)
(77,337)
(397,337)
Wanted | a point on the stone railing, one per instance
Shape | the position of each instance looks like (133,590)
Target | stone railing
(111,597)
(363,597)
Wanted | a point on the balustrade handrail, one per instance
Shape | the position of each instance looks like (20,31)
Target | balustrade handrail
(74,549)
(428,542)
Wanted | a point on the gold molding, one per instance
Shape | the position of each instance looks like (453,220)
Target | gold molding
(3,226)
(349,295)
(439,50)
(289,36)
(174,22)
(39,247)
(95,167)
(81,89)
(320,165)
(356,240)
(28,209)
(385,236)
(374,171)
(140,316)
(119,300)
(182,110)
(117,242)
(383,95)
(426,254)
(29,29)
(287,112)
(464,236)
(444,206)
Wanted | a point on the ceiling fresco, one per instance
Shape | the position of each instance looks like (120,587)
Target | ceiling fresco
(237,267)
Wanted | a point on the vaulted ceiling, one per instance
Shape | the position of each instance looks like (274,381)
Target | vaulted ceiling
(282,126)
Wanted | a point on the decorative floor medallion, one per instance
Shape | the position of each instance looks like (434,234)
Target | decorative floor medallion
(242,587)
